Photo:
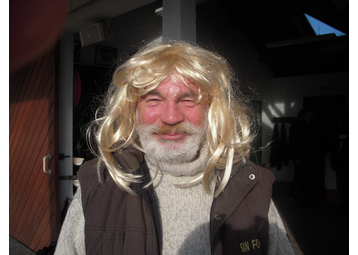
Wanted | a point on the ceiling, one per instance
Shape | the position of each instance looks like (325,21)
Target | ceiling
(83,13)
(266,22)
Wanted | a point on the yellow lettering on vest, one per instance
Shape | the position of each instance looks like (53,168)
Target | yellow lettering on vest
(255,243)
(245,246)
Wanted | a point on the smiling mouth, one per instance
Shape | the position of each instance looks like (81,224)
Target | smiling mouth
(171,136)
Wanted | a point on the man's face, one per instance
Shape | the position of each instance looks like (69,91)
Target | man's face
(171,124)
(309,117)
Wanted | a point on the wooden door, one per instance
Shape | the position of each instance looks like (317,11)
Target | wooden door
(34,217)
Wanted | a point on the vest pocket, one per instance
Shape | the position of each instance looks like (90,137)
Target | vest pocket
(249,244)
(112,242)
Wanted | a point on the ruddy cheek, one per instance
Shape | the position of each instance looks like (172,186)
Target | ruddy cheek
(197,116)
(147,116)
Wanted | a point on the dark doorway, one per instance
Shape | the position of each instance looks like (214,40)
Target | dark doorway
(94,81)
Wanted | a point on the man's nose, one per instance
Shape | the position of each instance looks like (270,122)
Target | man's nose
(171,114)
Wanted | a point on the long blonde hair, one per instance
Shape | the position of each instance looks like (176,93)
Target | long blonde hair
(228,118)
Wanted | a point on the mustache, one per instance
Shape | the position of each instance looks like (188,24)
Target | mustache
(183,127)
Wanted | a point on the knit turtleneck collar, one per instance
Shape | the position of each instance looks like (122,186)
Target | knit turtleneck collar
(184,206)
(182,169)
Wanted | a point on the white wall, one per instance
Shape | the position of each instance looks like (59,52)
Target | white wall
(286,101)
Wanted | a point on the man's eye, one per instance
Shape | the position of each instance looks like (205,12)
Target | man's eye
(188,102)
(153,100)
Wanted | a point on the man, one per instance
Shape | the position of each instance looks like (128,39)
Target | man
(172,174)
(306,154)
(340,159)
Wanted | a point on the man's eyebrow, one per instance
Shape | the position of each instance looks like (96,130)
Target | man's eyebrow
(186,94)
(153,93)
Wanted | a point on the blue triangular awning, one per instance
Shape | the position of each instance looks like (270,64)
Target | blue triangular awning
(321,28)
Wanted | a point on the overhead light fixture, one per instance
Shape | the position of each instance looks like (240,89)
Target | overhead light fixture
(97,32)
(301,40)
(159,11)
(91,34)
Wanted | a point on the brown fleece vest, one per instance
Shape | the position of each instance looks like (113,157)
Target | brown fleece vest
(119,223)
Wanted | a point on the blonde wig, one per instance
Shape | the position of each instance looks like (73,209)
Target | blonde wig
(229,122)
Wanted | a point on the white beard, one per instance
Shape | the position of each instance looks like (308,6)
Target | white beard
(172,151)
